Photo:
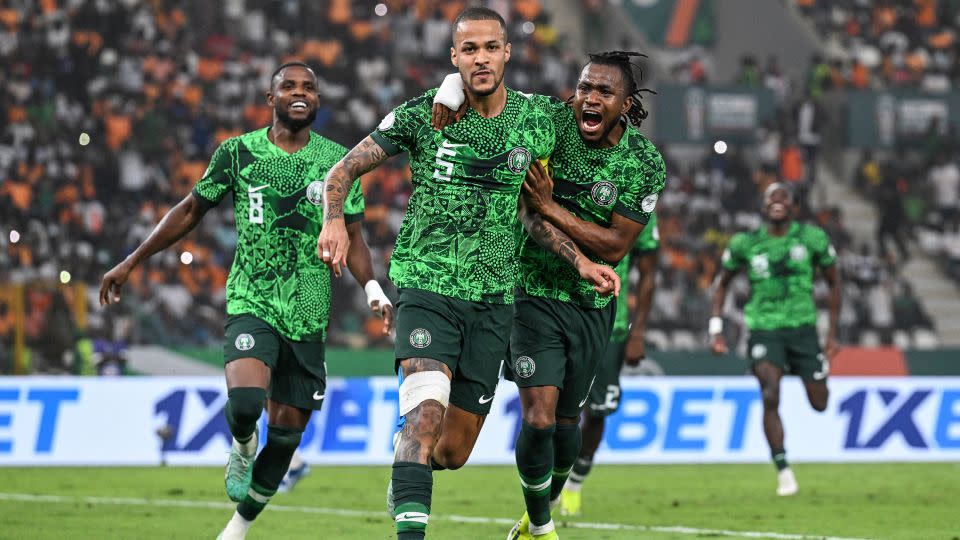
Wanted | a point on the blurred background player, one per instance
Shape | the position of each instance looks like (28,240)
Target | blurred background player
(278,292)
(455,259)
(626,345)
(781,259)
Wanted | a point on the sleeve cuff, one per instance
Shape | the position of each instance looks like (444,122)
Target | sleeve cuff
(206,203)
(633,215)
(390,147)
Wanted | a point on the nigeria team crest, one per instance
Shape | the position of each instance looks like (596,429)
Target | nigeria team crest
(420,338)
(518,159)
(315,192)
(525,367)
(604,193)
(244,342)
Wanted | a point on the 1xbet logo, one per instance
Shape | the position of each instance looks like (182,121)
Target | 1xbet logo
(899,409)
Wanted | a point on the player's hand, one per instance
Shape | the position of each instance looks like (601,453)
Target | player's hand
(636,349)
(112,282)
(386,313)
(538,188)
(718,344)
(832,347)
(333,244)
(603,278)
(442,117)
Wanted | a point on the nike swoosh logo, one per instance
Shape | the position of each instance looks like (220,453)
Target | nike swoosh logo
(318,396)
(485,401)
(584,402)
(448,144)
(251,189)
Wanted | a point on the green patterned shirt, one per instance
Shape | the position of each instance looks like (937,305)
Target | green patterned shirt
(647,242)
(593,184)
(781,270)
(278,207)
(458,237)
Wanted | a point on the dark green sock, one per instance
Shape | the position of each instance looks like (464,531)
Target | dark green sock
(269,468)
(779,458)
(535,463)
(566,446)
(581,468)
(412,491)
(243,409)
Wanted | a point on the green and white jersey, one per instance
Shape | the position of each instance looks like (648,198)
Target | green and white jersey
(648,241)
(593,184)
(458,237)
(781,271)
(278,206)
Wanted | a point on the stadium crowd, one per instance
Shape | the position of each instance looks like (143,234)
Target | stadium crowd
(886,43)
(157,85)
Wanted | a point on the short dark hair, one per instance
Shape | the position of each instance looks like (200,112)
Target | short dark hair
(478,14)
(285,65)
(624,61)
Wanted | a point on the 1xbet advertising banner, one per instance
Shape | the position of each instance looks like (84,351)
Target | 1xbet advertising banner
(115,421)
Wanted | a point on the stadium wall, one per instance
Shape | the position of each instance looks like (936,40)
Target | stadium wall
(116,421)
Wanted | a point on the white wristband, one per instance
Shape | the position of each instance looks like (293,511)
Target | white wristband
(375,293)
(715,326)
(450,94)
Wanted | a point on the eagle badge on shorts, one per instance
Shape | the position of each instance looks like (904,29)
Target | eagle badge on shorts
(244,342)
(420,338)
(525,367)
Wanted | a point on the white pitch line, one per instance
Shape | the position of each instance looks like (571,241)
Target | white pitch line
(137,501)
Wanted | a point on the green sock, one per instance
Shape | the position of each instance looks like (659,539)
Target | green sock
(581,468)
(269,468)
(780,458)
(566,446)
(412,491)
(535,463)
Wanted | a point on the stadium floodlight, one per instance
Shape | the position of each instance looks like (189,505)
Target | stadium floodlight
(64,277)
(186,257)
(528,27)
(720,147)
(380,10)
(14,236)
(84,139)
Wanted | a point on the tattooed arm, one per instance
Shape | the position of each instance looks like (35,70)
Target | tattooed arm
(603,278)
(334,242)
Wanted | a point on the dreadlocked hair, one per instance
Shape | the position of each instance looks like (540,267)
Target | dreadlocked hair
(625,60)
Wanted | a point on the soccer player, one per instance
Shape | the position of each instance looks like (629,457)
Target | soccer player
(278,291)
(455,261)
(626,345)
(780,259)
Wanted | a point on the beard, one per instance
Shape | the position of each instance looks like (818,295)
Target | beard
(485,93)
(283,117)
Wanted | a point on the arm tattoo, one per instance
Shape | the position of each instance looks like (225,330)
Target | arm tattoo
(364,157)
(549,237)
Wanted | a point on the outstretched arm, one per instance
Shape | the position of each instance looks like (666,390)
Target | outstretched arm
(717,342)
(609,243)
(361,266)
(832,275)
(603,278)
(334,242)
(636,350)
(180,220)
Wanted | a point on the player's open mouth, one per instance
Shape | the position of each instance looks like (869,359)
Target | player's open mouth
(778,208)
(299,106)
(483,73)
(591,120)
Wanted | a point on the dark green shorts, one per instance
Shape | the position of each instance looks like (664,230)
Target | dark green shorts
(298,372)
(794,350)
(471,338)
(605,394)
(560,344)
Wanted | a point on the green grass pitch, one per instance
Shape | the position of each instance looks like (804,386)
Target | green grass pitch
(895,501)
